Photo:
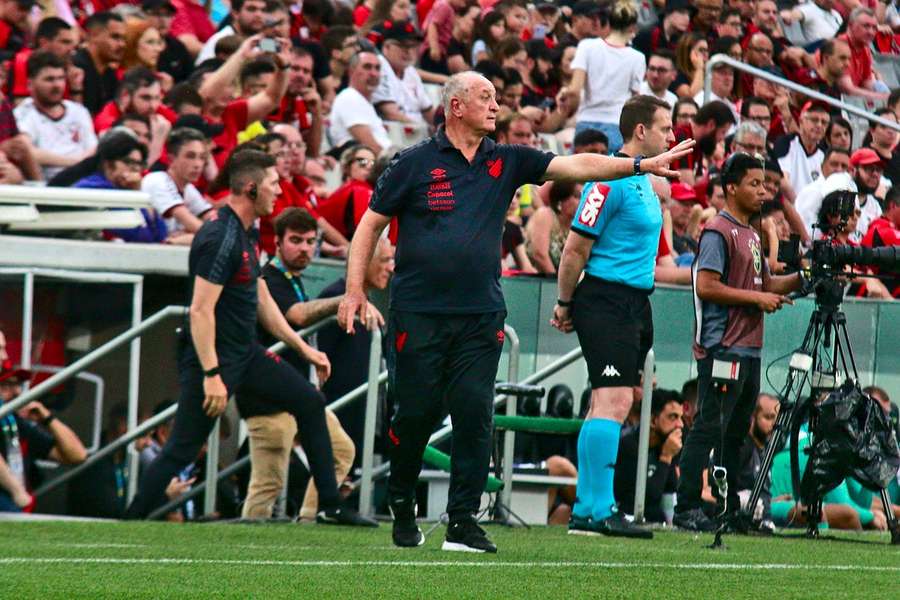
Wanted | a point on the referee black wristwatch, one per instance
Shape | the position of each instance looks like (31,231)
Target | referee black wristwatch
(564,303)
(637,164)
(211,372)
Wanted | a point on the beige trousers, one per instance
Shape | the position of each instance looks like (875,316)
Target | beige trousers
(271,441)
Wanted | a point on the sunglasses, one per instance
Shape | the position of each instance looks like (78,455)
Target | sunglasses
(364,162)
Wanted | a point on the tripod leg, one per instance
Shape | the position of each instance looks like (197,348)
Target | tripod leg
(892,523)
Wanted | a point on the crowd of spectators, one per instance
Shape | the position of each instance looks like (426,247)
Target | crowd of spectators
(157,95)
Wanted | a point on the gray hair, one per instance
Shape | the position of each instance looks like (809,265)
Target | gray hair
(748,127)
(859,11)
(354,60)
(458,87)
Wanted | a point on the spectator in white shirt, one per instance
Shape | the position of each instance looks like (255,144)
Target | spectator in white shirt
(400,95)
(818,19)
(248,18)
(172,192)
(353,118)
(60,131)
(661,72)
(835,176)
(606,73)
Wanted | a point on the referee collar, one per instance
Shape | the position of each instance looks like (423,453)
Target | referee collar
(444,143)
(621,154)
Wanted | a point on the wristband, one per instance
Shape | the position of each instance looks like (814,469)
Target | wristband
(211,372)
(564,303)
(48,419)
(637,166)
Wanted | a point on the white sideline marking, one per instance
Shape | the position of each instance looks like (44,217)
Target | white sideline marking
(446,563)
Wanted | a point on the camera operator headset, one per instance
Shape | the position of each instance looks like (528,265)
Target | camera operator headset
(732,290)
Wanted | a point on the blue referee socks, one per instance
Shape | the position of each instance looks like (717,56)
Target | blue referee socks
(598,447)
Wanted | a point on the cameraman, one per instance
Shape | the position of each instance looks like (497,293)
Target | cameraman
(842,228)
(732,290)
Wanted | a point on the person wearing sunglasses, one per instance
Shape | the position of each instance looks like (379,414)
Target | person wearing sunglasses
(733,288)
(345,207)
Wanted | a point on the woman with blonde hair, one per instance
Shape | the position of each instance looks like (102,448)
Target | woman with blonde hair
(606,73)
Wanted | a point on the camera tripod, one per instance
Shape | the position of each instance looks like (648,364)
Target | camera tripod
(823,359)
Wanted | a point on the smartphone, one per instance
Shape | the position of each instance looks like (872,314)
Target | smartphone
(268,45)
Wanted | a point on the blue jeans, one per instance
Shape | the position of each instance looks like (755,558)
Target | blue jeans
(610,129)
(7,504)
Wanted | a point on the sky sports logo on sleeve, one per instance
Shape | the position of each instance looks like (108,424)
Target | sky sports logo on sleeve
(593,204)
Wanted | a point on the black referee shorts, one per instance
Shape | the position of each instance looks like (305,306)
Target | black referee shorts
(614,323)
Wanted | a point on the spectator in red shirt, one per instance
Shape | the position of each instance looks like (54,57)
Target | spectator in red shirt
(706,18)
(191,25)
(438,28)
(301,106)
(218,93)
(362,11)
(57,37)
(345,207)
(860,79)
(14,25)
(885,231)
(334,244)
(709,127)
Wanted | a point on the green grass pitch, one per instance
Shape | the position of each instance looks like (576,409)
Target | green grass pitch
(158,560)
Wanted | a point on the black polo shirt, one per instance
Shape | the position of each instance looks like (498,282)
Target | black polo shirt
(225,253)
(451,215)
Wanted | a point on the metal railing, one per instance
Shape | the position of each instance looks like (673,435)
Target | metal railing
(640,482)
(717,59)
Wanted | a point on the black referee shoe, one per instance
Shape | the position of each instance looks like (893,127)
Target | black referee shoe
(466,536)
(344,516)
(405,533)
(616,525)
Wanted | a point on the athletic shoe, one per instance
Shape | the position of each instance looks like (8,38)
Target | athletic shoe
(344,516)
(616,525)
(766,527)
(581,526)
(466,536)
(694,520)
(405,533)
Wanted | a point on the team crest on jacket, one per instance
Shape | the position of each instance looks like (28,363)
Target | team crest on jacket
(757,257)
(495,167)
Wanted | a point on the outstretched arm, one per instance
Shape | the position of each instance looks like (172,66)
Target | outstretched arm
(591,167)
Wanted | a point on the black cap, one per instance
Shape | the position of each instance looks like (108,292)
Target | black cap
(210,130)
(25,4)
(153,5)
(587,8)
(677,5)
(399,31)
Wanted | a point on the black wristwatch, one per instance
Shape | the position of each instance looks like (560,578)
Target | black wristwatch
(48,419)
(212,372)
(637,164)
(564,303)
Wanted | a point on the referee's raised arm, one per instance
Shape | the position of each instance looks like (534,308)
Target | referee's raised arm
(598,167)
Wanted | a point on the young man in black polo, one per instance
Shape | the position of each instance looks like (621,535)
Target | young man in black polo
(224,357)
(445,327)
(732,290)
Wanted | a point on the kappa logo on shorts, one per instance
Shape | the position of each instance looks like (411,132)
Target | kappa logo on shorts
(495,167)
(610,371)
(400,340)
(593,205)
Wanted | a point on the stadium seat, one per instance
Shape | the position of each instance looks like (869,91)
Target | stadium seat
(434,92)
(82,219)
(17,213)
(405,134)
(888,65)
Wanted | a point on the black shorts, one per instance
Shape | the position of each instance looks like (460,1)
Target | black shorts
(614,323)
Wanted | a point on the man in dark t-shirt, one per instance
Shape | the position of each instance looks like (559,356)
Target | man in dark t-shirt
(450,195)
(666,426)
(223,356)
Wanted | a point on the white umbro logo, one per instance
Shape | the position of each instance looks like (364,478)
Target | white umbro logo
(610,371)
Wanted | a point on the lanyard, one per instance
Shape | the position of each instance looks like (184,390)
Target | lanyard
(295,281)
